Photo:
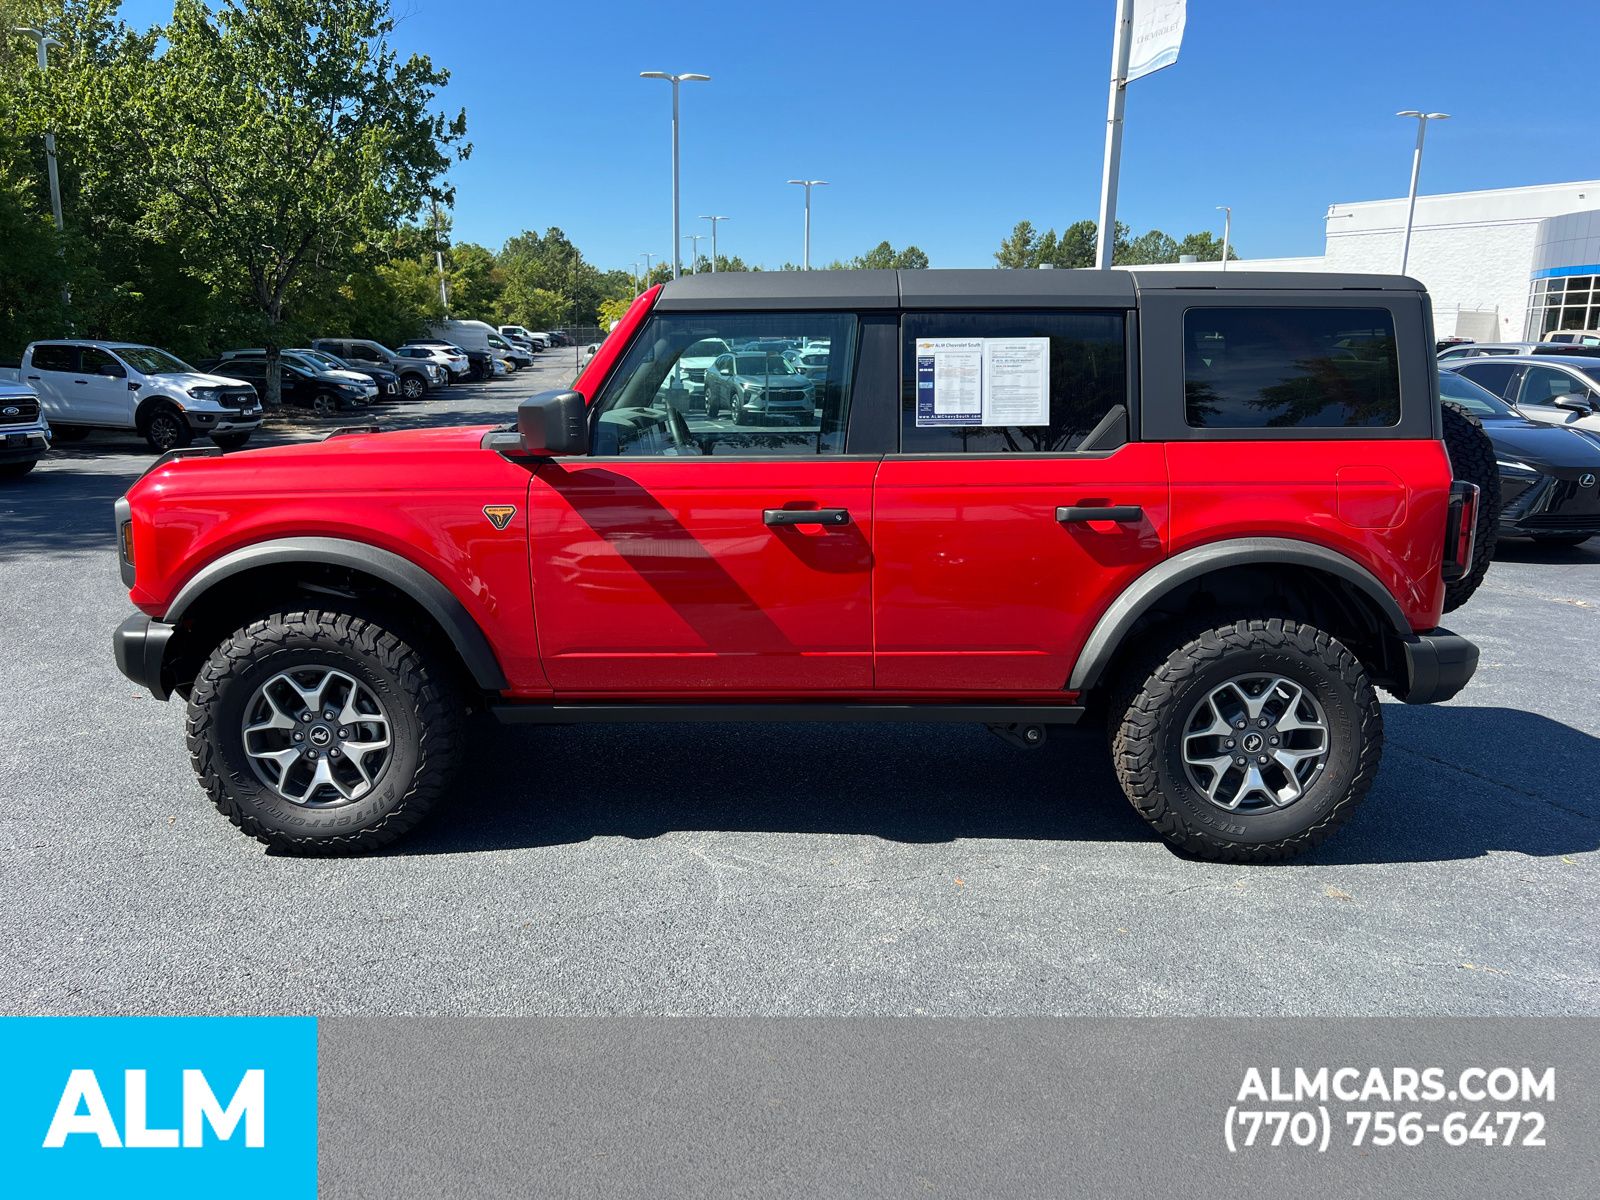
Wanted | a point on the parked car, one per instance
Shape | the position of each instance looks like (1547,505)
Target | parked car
(1578,337)
(322,392)
(480,363)
(1489,349)
(536,341)
(517,356)
(417,377)
(24,431)
(756,385)
(385,381)
(1549,478)
(1222,553)
(1557,391)
(313,362)
(453,362)
(689,373)
(811,361)
(85,385)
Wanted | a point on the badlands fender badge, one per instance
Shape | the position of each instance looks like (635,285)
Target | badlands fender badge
(499,514)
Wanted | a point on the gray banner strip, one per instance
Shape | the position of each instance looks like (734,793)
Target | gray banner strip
(658,1107)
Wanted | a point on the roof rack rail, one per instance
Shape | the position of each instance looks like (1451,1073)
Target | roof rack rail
(373,427)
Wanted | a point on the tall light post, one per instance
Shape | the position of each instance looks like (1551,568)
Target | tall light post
(647,266)
(694,251)
(1227,228)
(808,184)
(1416,170)
(675,80)
(713,221)
(636,288)
(44,42)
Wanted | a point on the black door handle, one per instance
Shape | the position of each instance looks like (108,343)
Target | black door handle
(1121,513)
(33,379)
(805,516)
(81,382)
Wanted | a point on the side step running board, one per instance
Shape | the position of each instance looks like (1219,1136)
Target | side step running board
(584,712)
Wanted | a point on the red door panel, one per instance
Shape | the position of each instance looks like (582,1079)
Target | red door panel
(659,576)
(980,589)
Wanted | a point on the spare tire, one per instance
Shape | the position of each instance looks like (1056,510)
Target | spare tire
(1472,459)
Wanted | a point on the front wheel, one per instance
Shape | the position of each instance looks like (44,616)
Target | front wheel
(325,404)
(16,470)
(165,429)
(1248,742)
(321,732)
(412,388)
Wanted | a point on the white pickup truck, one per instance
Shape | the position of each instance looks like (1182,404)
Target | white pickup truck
(24,433)
(84,385)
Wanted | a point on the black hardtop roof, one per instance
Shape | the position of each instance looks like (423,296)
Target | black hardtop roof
(1118,288)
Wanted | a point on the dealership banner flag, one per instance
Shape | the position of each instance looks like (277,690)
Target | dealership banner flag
(1157,35)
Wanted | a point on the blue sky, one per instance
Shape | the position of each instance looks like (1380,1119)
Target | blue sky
(942,124)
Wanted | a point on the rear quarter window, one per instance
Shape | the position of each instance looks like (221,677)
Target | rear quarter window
(1290,368)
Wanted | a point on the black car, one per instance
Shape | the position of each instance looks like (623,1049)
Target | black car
(388,381)
(324,394)
(1549,477)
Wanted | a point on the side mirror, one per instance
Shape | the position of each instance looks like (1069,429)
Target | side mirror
(1572,402)
(554,423)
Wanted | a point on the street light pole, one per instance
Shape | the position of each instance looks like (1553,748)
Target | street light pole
(1227,228)
(1121,47)
(1416,170)
(694,251)
(713,221)
(44,42)
(675,80)
(647,267)
(808,184)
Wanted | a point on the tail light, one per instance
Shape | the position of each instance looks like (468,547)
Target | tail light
(1460,529)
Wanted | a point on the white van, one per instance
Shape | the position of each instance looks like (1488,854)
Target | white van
(469,335)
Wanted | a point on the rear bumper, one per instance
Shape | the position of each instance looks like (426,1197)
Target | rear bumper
(140,647)
(1438,665)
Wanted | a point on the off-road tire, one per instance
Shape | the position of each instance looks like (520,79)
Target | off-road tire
(423,709)
(1472,459)
(164,428)
(230,441)
(1154,700)
(17,470)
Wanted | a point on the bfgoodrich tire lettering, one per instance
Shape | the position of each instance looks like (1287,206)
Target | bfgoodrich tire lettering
(422,714)
(1148,725)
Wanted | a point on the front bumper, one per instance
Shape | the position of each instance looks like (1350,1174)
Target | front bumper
(140,647)
(26,443)
(1549,506)
(223,420)
(1438,665)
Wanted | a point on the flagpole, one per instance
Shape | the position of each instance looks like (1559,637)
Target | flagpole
(1121,45)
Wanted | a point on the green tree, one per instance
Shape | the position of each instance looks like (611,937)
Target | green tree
(1020,251)
(475,283)
(280,139)
(884,257)
(1151,247)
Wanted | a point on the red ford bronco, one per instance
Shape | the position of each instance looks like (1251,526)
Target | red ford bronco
(1213,511)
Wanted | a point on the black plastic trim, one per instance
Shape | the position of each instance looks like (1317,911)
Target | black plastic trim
(121,514)
(402,573)
(584,712)
(170,456)
(1438,665)
(1147,590)
(139,645)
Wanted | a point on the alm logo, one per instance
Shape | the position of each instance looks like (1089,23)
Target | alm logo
(83,1111)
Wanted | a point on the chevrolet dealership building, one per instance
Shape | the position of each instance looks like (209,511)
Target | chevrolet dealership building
(1505,265)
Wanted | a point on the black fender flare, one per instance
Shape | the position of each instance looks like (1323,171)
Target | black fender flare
(1147,590)
(436,599)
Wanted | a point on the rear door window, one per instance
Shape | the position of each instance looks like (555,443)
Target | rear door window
(1290,367)
(964,374)
(1495,376)
(55,358)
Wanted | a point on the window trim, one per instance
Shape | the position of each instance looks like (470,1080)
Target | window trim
(1130,381)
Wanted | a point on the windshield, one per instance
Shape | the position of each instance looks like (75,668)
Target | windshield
(326,361)
(147,360)
(1477,400)
(763,364)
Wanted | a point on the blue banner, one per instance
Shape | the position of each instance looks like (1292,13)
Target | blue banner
(159,1106)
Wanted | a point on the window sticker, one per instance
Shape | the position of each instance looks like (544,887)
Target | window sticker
(983,381)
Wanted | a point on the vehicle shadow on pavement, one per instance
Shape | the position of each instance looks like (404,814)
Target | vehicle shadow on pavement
(1520,550)
(1456,783)
(904,783)
(60,510)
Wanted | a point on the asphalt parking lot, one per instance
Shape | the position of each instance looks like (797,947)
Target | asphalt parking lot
(759,870)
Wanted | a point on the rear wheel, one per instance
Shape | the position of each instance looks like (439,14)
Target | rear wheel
(165,429)
(1248,742)
(1472,459)
(321,732)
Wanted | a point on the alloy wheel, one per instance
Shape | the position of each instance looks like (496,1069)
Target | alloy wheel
(317,737)
(1255,743)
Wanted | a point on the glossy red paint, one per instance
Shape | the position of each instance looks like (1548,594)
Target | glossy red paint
(1299,490)
(419,494)
(616,342)
(659,574)
(980,588)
